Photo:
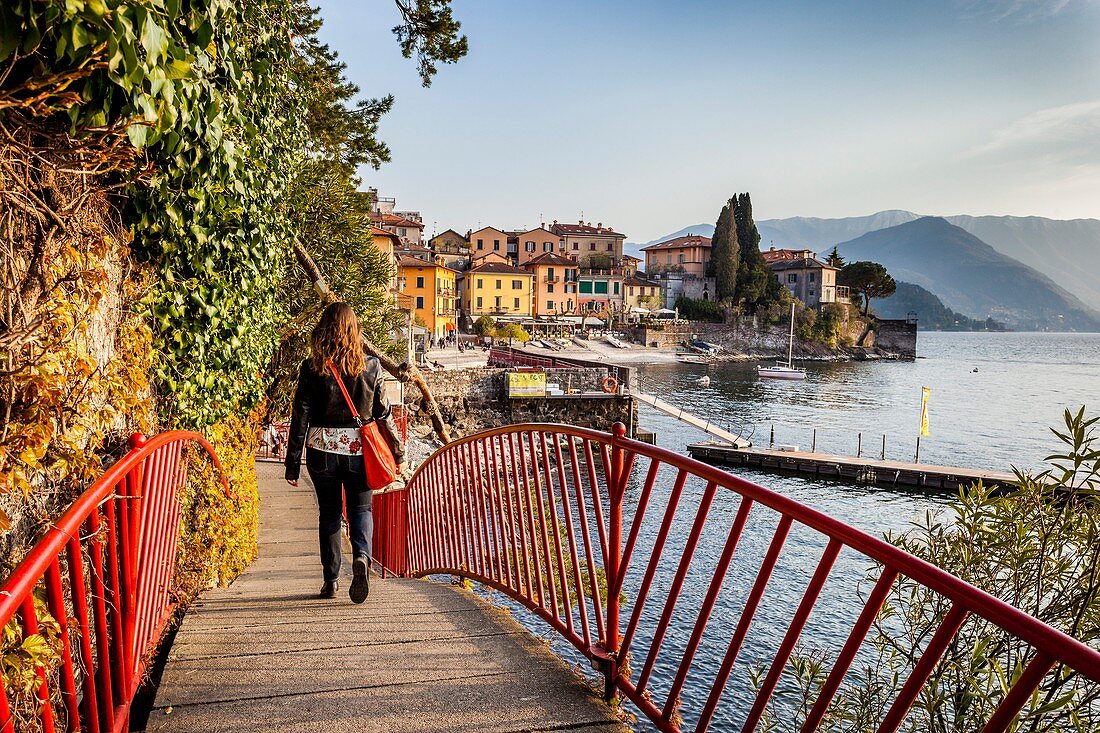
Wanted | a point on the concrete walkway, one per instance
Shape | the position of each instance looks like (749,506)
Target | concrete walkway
(265,654)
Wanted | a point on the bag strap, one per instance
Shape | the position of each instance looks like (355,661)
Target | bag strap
(344,390)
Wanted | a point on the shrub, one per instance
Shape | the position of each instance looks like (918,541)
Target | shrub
(700,310)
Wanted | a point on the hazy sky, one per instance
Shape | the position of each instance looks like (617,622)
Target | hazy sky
(646,115)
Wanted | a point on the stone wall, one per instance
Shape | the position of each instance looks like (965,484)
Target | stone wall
(896,337)
(476,399)
(743,337)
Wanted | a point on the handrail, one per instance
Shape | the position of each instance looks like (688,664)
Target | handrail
(514,508)
(107,565)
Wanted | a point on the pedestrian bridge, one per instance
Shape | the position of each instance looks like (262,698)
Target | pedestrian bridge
(592,537)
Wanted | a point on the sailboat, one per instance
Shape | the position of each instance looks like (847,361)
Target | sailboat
(781,370)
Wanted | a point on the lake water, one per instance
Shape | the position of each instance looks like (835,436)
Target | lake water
(996,417)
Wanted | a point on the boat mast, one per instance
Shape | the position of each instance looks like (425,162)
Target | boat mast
(790,345)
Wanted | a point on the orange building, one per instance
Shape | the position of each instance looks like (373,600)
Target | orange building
(554,291)
(432,289)
(689,255)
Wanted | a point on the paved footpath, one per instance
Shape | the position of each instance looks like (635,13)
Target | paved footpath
(265,654)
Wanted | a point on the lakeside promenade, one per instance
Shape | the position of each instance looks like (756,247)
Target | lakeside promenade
(265,654)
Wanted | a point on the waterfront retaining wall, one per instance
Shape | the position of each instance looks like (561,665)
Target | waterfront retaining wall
(476,399)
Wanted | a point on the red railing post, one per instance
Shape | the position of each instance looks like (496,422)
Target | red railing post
(615,492)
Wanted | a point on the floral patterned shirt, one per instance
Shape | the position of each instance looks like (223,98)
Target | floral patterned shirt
(344,441)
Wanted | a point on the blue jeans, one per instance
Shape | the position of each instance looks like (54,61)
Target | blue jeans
(338,478)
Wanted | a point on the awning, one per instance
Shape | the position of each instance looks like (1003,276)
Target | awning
(449,326)
(593,321)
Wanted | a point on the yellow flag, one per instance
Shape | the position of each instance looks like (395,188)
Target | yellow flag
(926,392)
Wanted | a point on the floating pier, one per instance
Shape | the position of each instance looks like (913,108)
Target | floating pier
(847,468)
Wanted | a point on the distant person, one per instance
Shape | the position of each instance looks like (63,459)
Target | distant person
(322,424)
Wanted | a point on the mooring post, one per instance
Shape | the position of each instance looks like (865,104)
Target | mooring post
(771,441)
(884,446)
(859,445)
(917,459)
(813,442)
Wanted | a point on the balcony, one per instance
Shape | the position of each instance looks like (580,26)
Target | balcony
(552,279)
(842,294)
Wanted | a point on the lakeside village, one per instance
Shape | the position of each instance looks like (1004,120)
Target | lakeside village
(572,287)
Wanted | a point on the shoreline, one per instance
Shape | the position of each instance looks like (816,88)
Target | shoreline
(636,355)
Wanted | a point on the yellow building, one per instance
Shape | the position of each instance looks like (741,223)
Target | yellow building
(496,289)
(432,289)
(641,293)
(555,284)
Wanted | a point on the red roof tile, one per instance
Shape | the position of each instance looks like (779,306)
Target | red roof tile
(691,240)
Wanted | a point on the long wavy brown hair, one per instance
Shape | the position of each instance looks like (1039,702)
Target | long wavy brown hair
(337,338)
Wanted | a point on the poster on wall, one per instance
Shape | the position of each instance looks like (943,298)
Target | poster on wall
(522,385)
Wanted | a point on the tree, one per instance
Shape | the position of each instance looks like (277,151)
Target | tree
(835,260)
(724,255)
(870,279)
(513,331)
(485,326)
(753,274)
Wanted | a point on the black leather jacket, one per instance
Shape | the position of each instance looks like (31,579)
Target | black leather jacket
(318,402)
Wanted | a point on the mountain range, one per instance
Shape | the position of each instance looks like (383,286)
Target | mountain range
(1048,259)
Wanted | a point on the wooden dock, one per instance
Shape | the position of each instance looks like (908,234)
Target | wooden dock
(848,468)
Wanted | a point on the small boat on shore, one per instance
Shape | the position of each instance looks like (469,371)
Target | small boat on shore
(616,342)
(783,370)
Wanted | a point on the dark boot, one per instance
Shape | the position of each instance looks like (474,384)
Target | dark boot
(360,583)
(328,590)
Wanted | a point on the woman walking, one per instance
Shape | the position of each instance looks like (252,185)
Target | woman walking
(323,424)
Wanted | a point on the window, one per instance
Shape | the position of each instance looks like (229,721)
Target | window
(600,287)
(420,301)
(547,246)
(549,287)
(517,285)
(419,282)
(498,302)
(680,259)
(496,245)
(592,246)
(586,286)
(813,277)
(516,301)
(479,302)
(549,305)
(480,244)
(479,281)
(498,285)
(792,277)
(610,247)
(616,289)
(528,246)
(631,290)
(576,246)
(669,258)
(549,273)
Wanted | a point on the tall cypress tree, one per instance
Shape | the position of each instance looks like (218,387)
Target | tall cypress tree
(752,272)
(725,254)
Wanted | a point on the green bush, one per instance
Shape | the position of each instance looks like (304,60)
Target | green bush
(700,310)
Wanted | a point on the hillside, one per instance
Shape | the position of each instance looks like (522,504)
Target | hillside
(932,314)
(1064,251)
(818,234)
(1057,248)
(971,277)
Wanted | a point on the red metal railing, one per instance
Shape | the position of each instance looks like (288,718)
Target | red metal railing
(105,571)
(537,512)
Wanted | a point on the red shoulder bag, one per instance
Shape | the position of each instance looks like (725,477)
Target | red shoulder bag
(378,460)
